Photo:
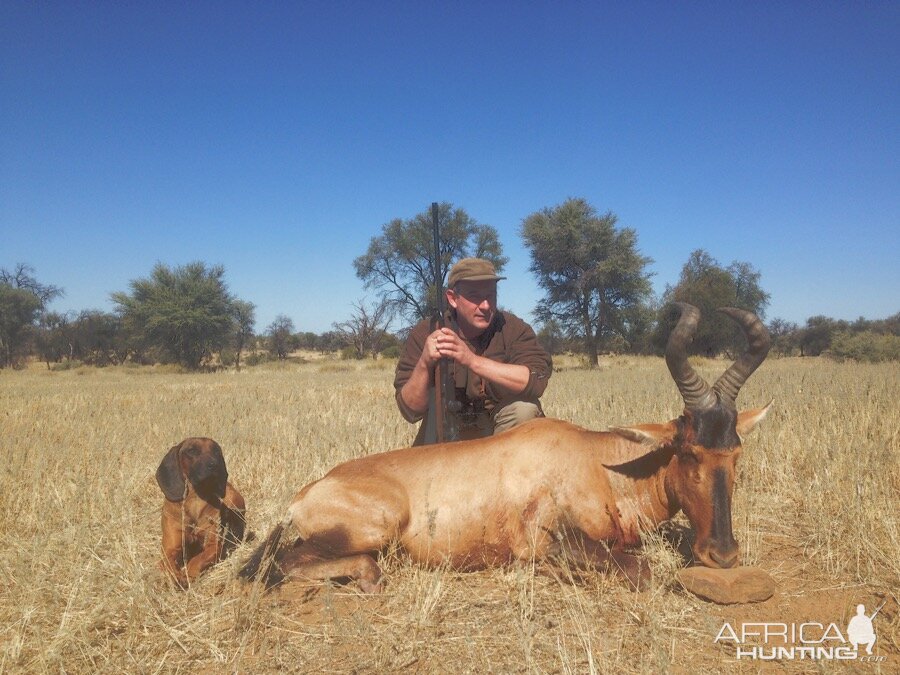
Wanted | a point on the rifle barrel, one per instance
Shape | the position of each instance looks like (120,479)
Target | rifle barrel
(878,610)
(440,369)
(438,276)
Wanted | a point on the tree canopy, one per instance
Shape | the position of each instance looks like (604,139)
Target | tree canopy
(186,313)
(244,323)
(708,285)
(593,276)
(22,299)
(399,263)
(280,337)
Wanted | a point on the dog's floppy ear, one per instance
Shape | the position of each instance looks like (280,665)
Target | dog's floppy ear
(169,477)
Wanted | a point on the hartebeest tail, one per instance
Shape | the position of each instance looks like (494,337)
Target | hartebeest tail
(265,554)
(540,490)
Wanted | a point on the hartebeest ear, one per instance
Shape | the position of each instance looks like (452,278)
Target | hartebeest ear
(646,434)
(169,476)
(748,419)
(645,438)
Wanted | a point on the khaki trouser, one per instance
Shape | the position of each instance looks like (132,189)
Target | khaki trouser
(515,414)
(505,418)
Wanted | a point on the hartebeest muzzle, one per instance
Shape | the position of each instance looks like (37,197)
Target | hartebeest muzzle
(721,547)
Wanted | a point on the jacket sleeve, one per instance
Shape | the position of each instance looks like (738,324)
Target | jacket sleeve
(412,350)
(521,347)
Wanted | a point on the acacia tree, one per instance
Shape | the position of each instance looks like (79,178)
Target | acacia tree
(592,274)
(280,336)
(366,329)
(399,264)
(708,285)
(818,333)
(185,312)
(55,337)
(22,299)
(99,338)
(245,321)
(785,336)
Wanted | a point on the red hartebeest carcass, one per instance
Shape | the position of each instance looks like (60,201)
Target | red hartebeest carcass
(543,489)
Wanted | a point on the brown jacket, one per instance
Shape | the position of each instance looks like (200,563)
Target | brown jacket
(507,340)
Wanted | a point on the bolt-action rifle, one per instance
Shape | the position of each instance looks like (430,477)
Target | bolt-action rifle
(440,421)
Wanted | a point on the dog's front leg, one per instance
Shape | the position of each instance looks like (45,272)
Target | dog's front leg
(172,562)
(209,555)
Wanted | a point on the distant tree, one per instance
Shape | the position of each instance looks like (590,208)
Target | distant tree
(748,294)
(22,277)
(307,340)
(329,341)
(366,328)
(244,314)
(186,312)
(640,322)
(99,338)
(592,274)
(816,336)
(54,337)
(280,337)
(22,299)
(399,264)
(891,325)
(785,336)
(551,337)
(707,285)
(391,346)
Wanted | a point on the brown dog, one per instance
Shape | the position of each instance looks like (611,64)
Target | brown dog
(203,515)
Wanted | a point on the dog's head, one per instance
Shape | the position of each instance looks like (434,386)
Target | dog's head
(197,462)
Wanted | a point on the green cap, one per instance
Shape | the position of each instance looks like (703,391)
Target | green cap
(472,269)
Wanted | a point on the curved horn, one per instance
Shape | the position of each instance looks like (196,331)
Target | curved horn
(694,390)
(731,381)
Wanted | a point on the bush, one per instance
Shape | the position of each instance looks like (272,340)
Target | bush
(336,368)
(256,358)
(865,346)
(350,354)
(68,364)
(391,352)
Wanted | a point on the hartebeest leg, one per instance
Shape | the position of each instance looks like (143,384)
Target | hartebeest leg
(361,568)
(588,553)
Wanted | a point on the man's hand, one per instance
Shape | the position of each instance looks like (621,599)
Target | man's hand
(445,343)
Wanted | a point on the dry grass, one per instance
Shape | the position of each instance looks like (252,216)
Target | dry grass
(79,591)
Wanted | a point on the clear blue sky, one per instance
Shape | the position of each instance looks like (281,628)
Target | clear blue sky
(277,138)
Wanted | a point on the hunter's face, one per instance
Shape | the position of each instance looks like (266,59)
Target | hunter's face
(475,303)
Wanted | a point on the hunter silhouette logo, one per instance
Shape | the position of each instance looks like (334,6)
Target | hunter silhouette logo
(811,640)
(860,630)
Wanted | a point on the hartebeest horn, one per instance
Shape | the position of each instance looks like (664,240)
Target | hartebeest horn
(731,381)
(696,393)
